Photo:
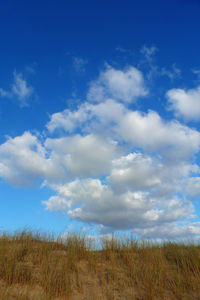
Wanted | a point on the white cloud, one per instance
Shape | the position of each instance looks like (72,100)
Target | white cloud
(87,155)
(185,103)
(140,189)
(69,120)
(56,203)
(144,130)
(92,202)
(23,160)
(126,85)
(192,186)
(151,133)
(182,232)
(134,172)
(98,204)
(19,90)
(111,165)
(88,117)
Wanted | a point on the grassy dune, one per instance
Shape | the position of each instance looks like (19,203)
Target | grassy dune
(38,267)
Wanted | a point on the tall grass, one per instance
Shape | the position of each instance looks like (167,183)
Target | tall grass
(33,266)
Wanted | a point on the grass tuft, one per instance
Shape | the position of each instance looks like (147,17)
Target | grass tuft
(35,266)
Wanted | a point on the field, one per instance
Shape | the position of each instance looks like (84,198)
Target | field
(34,266)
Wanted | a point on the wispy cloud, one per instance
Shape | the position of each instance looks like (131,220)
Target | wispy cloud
(79,64)
(124,50)
(31,68)
(20,90)
(5,94)
(172,73)
(149,53)
(154,70)
(197,73)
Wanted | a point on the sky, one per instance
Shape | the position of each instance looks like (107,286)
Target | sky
(100,117)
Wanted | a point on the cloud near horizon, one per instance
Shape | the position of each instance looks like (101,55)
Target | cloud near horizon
(111,165)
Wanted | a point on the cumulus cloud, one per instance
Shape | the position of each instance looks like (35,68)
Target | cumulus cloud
(69,120)
(87,155)
(100,204)
(88,117)
(144,130)
(19,90)
(56,203)
(150,132)
(134,172)
(192,186)
(185,103)
(123,85)
(23,160)
(113,166)
(143,189)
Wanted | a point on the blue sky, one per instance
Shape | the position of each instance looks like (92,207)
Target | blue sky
(99,117)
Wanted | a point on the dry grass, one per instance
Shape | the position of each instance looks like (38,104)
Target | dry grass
(38,267)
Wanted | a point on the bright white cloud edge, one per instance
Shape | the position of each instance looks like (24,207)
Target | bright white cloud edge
(185,103)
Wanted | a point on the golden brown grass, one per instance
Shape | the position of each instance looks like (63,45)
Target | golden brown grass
(38,267)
